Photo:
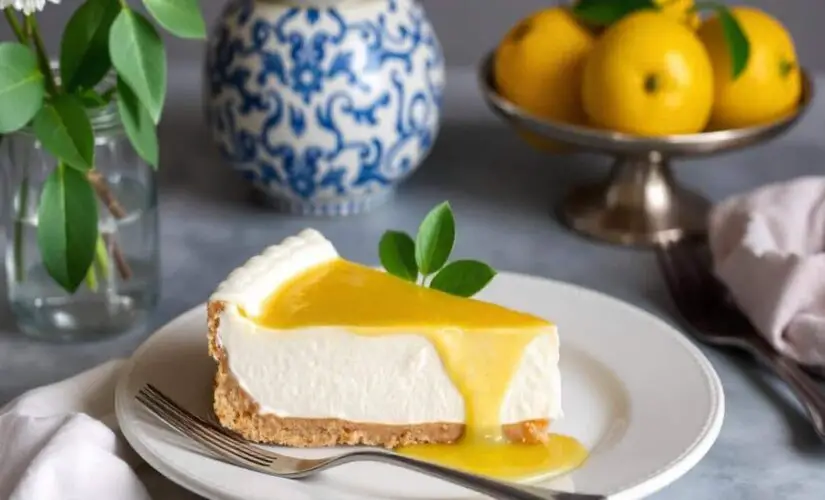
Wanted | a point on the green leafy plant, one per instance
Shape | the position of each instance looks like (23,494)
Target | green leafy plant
(606,12)
(424,260)
(102,37)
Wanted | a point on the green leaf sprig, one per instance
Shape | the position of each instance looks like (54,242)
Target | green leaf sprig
(21,87)
(606,12)
(102,37)
(737,41)
(424,260)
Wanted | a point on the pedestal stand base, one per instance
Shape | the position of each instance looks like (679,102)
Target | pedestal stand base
(639,204)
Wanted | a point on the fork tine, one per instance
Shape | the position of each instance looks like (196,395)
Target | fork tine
(207,436)
(663,257)
(190,430)
(686,279)
(198,434)
(189,420)
(158,394)
(702,263)
(667,262)
(690,275)
(172,404)
(223,435)
(697,279)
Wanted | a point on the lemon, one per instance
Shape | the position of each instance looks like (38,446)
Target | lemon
(769,87)
(539,62)
(648,75)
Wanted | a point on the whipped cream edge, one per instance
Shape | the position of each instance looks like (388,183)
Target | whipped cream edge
(250,285)
(295,373)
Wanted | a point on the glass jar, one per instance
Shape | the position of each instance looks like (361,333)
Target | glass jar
(122,286)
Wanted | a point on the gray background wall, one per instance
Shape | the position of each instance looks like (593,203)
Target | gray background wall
(468,28)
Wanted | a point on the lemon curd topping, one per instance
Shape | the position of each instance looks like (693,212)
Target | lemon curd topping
(480,345)
(344,293)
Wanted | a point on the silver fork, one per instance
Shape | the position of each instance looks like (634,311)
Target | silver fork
(704,304)
(240,452)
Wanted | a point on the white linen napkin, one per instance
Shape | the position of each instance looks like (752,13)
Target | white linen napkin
(60,442)
(768,248)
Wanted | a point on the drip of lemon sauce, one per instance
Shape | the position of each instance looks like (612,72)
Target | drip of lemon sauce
(480,344)
(504,460)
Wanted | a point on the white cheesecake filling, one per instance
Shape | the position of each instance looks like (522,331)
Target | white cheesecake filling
(390,379)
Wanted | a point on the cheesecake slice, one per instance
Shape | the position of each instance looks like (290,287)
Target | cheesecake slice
(313,350)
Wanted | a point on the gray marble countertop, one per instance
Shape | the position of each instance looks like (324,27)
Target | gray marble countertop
(502,193)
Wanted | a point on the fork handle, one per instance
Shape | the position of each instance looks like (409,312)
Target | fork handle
(496,489)
(800,382)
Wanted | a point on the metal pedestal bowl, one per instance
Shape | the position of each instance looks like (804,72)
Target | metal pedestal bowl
(640,202)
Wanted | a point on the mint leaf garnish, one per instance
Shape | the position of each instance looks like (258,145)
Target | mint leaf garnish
(397,253)
(435,239)
(464,278)
(417,260)
(604,12)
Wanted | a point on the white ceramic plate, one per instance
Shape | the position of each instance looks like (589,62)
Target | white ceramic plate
(640,396)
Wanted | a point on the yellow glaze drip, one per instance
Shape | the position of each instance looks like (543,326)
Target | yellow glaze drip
(480,345)
(514,461)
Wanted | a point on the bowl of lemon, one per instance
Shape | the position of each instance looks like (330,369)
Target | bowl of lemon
(646,82)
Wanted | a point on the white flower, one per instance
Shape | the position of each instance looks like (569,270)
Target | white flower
(26,6)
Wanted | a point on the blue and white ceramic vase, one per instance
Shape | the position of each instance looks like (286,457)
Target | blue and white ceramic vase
(324,105)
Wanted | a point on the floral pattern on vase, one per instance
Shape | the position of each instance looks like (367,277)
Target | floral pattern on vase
(325,110)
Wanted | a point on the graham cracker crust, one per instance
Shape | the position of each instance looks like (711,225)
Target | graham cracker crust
(237,411)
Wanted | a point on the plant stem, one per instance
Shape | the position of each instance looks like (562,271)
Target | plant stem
(91,278)
(22,211)
(108,94)
(101,260)
(105,194)
(11,17)
(100,186)
(102,257)
(122,266)
(40,48)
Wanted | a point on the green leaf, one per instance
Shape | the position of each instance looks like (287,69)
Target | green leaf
(435,239)
(180,17)
(605,12)
(397,253)
(738,45)
(64,129)
(67,226)
(21,86)
(138,124)
(464,278)
(139,57)
(91,99)
(84,49)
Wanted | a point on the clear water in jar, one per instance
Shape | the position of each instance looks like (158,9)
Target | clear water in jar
(116,304)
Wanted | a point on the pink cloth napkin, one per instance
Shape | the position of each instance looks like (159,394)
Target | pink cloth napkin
(768,247)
